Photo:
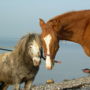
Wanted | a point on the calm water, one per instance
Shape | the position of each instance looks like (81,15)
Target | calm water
(73,61)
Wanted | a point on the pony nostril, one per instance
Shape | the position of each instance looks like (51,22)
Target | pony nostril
(36,62)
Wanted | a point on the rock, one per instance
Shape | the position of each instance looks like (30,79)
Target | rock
(82,83)
(49,81)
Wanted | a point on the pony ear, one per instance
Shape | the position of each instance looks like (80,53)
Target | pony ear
(42,23)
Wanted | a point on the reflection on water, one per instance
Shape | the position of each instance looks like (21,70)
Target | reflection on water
(73,61)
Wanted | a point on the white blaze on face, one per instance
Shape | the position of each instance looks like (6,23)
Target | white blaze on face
(48,60)
(35,49)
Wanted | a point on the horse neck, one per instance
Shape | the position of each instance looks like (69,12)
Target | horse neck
(67,30)
(71,26)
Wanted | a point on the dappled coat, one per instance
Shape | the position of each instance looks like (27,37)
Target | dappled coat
(18,66)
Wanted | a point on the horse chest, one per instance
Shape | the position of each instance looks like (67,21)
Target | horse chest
(23,74)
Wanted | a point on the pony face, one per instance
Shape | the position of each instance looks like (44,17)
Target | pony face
(50,44)
(34,50)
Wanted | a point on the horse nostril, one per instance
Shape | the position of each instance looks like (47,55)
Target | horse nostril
(36,62)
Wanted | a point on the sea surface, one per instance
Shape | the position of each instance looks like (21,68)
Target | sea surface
(73,61)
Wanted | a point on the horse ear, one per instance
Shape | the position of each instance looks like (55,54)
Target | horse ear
(42,23)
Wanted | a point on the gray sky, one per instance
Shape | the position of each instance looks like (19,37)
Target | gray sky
(18,17)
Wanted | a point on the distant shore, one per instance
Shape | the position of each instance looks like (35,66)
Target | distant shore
(82,83)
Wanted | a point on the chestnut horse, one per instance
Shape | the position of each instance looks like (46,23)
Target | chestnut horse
(72,26)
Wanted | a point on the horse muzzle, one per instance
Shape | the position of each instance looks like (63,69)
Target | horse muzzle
(36,61)
(50,62)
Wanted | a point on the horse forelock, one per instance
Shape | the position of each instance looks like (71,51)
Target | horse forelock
(38,39)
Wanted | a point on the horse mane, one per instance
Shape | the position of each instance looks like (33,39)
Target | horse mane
(70,14)
(61,21)
(21,46)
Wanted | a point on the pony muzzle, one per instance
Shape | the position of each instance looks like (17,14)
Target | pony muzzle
(36,61)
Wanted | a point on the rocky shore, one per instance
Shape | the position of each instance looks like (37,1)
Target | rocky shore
(82,83)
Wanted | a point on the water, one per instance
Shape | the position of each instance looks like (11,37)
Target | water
(73,61)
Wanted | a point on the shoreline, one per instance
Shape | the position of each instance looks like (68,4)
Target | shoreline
(82,83)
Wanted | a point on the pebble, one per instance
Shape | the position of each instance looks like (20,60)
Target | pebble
(49,81)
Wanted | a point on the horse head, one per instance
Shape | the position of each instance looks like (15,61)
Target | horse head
(30,46)
(50,43)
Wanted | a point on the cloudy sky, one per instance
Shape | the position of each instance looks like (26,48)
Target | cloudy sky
(18,17)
